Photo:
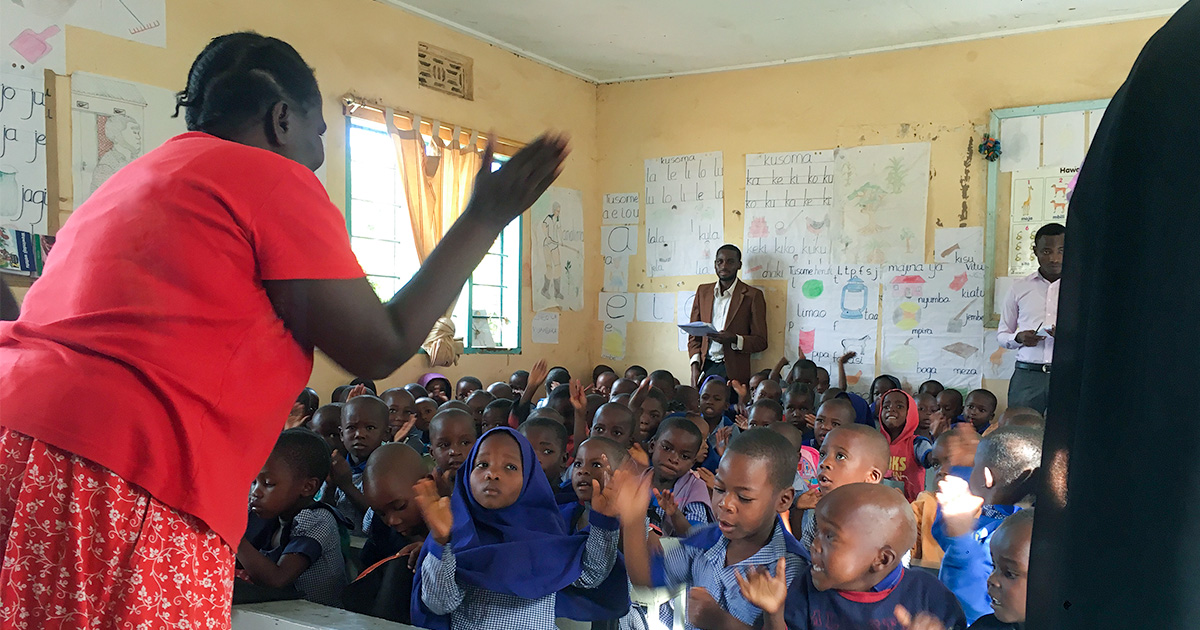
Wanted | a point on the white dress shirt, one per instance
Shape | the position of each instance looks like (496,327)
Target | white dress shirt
(1029,305)
(720,313)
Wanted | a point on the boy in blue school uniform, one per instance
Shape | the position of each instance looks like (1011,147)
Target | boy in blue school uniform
(1002,481)
(753,485)
(857,579)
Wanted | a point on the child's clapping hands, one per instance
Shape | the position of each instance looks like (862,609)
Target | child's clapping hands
(435,509)
(768,592)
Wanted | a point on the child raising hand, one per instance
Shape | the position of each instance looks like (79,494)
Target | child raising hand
(499,550)
(766,590)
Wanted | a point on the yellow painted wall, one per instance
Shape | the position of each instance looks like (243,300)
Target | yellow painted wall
(369,49)
(941,94)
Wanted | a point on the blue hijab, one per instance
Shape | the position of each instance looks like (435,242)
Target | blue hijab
(862,409)
(522,550)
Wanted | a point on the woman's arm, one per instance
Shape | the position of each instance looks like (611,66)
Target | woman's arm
(344,318)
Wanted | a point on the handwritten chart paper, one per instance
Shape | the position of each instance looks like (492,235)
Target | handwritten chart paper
(656,307)
(958,245)
(545,327)
(832,310)
(23,204)
(883,192)
(684,214)
(617,307)
(619,240)
(789,204)
(613,341)
(683,314)
(621,209)
(1038,197)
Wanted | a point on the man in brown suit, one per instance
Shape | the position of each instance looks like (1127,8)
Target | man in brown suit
(739,313)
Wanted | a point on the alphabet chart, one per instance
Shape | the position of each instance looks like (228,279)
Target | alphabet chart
(789,201)
(685,221)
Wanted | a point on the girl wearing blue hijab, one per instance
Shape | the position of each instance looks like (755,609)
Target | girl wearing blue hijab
(498,554)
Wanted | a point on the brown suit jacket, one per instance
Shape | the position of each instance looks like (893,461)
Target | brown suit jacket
(747,317)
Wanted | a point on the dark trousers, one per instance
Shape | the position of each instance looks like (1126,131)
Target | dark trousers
(712,368)
(1029,389)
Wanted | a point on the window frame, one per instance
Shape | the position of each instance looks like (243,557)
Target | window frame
(468,288)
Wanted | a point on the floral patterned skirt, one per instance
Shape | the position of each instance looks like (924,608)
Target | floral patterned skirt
(83,548)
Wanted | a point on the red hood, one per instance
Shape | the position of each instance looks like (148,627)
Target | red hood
(910,422)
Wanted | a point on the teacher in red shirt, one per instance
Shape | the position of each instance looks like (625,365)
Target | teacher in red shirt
(153,364)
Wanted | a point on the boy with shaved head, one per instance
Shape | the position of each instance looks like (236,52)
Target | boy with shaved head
(857,579)
(851,453)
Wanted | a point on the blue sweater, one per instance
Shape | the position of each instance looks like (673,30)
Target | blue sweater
(810,609)
(968,561)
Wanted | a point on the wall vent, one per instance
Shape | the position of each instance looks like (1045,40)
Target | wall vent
(445,71)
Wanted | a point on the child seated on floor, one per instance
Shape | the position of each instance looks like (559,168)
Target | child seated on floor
(549,440)
(898,419)
(765,413)
(402,417)
(950,402)
(833,413)
(649,409)
(681,499)
(394,530)
(980,409)
(952,449)
(451,436)
(495,414)
(594,464)
(615,422)
(501,517)
(753,484)
(477,401)
(501,390)
(856,579)
(1002,481)
(517,382)
(327,423)
(466,386)
(293,540)
(851,453)
(364,428)
(926,408)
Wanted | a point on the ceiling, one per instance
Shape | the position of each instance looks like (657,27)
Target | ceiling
(606,41)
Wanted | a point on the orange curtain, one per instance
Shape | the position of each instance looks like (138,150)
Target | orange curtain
(438,178)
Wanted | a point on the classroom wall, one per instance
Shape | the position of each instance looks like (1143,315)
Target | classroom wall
(941,94)
(369,49)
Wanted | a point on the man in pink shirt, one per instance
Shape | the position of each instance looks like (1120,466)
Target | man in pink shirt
(1026,314)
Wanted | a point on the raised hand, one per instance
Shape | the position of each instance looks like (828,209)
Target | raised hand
(639,455)
(742,421)
(810,421)
(724,434)
(762,589)
(444,481)
(740,389)
(666,501)
(605,495)
(296,417)
(923,621)
(630,496)
(707,476)
(403,430)
(808,500)
(358,390)
(339,470)
(846,357)
(960,508)
(501,196)
(537,375)
(578,397)
(435,509)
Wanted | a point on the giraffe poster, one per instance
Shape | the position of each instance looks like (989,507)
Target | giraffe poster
(1038,197)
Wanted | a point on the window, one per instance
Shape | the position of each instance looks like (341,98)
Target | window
(381,236)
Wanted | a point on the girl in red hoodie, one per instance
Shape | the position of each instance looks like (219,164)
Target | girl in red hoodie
(898,419)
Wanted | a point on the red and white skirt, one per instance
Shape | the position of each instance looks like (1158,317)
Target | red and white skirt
(83,548)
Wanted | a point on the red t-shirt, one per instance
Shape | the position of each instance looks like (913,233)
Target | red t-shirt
(149,345)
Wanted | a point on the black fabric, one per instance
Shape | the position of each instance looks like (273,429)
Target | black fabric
(382,591)
(989,622)
(1123,552)
(382,542)
(250,593)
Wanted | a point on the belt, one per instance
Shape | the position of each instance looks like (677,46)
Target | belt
(1034,367)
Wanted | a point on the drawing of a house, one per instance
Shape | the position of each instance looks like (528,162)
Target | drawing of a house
(907,287)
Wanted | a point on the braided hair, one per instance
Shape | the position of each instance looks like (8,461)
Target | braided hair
(238,77)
